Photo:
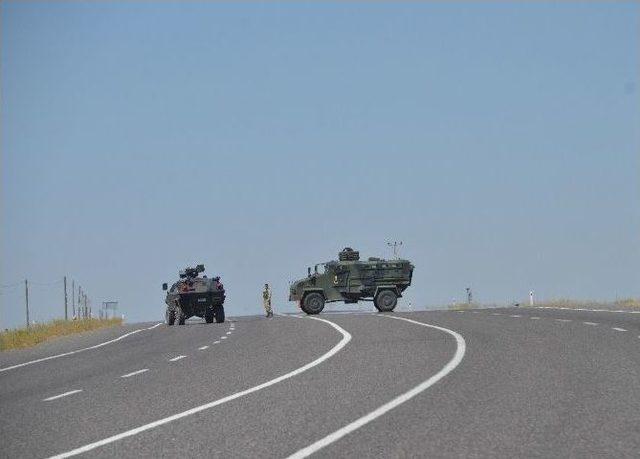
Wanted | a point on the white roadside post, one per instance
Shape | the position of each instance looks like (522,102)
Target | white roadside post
(531,298)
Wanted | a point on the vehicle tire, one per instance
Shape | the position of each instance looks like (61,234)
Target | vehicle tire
(170,316)
(208,315)
(180,316)
(386,301)
(219,314)
(313,303)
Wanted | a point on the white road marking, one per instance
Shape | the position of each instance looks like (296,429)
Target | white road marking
(346,337)
(56,397)
(71,352)
(223,337)
(618,329)
(128,375)
(228,333)
(154,326)
(177,358)
(203,348)
(496,314)
(216,342)
(590,323)
(534,318)
(589,310)
(514,315)
(563,320)
(338,434)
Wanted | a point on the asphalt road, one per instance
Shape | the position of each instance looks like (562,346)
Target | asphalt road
(484,383)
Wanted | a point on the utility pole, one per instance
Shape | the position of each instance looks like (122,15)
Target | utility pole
(26,299)
(395,245)
(66,315)
(469,295)
(73,297)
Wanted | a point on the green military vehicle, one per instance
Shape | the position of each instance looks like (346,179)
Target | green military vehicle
(193,295)
(351,280)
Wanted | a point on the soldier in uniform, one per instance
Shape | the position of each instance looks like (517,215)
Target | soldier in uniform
(266,300)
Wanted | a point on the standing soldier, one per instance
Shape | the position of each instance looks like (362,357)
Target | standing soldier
(266,300)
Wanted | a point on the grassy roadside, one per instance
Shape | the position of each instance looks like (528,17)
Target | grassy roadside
(36,334)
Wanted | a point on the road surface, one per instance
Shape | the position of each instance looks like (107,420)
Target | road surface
(482,383)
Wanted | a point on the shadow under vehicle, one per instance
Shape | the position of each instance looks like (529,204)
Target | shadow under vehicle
(351,280)
(192,296)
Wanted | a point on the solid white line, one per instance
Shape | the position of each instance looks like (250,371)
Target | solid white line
(618,329)
(338,434)
(203,348)
(55,397)
(128,375)
(346,337)
(71,352)
(177,358)
(590,323)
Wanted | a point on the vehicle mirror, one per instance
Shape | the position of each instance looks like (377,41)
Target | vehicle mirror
(164,286)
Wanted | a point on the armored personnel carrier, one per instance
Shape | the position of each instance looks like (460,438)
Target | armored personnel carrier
(350,280)
(193,295)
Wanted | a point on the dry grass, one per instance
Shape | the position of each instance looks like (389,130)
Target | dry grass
(36,334)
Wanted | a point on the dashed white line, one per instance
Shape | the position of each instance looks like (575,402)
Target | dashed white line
(128,375)
(593,324)
(563,320)
(496,314)
(534,318)
(223,337)
(618,329)
(216,342)
(56,397)
(514,315)
(338,434)
(175,359)
(228,333)
(346,337)
(203,348)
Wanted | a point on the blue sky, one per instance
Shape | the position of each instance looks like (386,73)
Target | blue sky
(499,141)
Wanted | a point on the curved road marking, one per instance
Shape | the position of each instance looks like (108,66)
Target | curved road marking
(77,350)
(346,337)
(56,397)
(338,434)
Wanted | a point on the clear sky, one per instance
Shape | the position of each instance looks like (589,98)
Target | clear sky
(500,142)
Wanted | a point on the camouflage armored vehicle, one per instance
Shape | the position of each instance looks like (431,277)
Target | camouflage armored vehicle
(193,295)
(351,280)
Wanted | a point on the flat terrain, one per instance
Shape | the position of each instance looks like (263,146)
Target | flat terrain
(483,383)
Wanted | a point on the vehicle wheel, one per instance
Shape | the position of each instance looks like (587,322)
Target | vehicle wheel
(180,316)
(170,316)
(313,303)
(208,315)
(386,301)
(219,313)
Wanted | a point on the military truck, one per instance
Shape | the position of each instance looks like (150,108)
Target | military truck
(350,280)
(193,295)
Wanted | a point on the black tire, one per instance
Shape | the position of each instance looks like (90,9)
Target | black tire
(180,315)
(219,314)
(208,315)
(313,303)
(386,301)
(170,316)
